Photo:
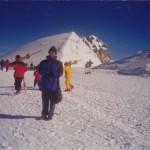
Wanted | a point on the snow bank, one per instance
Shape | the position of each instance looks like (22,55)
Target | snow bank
(105,111)
(135,65)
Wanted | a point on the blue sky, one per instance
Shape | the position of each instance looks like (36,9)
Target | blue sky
(123,25)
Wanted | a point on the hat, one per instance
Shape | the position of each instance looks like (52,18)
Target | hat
(53,49)
(66,63)
(17,56)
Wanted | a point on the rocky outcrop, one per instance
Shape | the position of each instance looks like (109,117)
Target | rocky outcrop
(99,48)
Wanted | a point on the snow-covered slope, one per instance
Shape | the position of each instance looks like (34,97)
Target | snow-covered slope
(109,112)
(42,44)
(70,47)
(138,64)
(75,49)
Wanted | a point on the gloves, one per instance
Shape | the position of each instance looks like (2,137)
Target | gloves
(49,74)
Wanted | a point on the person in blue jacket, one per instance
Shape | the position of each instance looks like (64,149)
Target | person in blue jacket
(2,64)
(51,70)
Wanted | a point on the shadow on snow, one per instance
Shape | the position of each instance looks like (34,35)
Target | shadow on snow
(5,116)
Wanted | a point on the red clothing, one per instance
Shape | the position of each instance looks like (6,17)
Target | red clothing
(37,76)
(7,63)
(19,67)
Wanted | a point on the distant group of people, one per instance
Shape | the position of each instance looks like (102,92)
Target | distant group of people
(4,64)
(46,77)
(32,67)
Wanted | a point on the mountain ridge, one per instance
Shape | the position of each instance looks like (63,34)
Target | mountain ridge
(137,64)
(70,47)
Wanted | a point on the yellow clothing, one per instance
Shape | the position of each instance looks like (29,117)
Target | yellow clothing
(89,69)
(68,83)
(68,75)
(68,71)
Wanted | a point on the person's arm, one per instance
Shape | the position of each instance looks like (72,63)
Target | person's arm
(25,57)
(41,68)
(59,71)
(13,64)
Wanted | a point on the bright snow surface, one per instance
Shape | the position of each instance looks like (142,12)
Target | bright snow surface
(105,111)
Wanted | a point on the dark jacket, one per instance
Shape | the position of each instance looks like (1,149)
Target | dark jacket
(50,70)
(90,63)
(19,67)
(2,63)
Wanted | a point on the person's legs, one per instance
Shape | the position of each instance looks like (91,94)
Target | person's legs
(86,70)
(52,105)
(6,69)
(35,82)
(17,84)
(45,103)
(90,69)
(67,82)
(70,84)
(47,111)
(39,83)
(51,111)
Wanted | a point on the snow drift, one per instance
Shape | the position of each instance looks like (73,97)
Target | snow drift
(109,112)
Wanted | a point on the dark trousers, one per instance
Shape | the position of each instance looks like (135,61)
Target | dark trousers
(48,103)
(17,83)
(36,82)
(7,69)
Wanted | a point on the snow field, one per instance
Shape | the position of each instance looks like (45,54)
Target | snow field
(105,111)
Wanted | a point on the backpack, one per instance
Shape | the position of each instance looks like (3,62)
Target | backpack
(57,95)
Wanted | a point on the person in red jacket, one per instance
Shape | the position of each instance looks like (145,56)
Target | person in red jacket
(20,69)
(37,78)
(7,65)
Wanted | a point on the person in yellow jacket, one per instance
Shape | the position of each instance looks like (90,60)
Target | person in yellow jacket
(68,76)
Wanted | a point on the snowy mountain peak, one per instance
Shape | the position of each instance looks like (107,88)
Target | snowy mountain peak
(70,47)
